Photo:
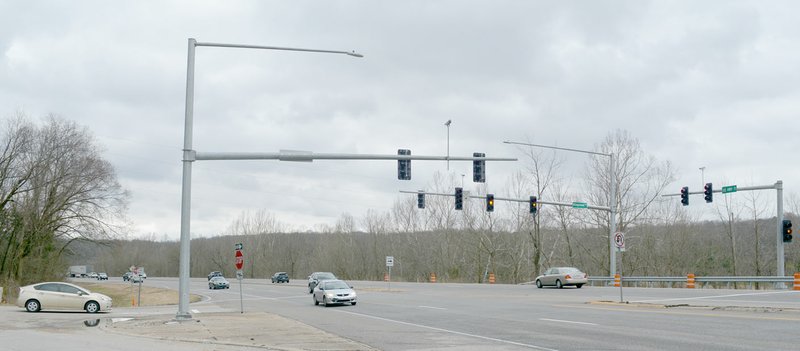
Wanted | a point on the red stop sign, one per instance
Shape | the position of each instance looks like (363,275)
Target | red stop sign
(239,259)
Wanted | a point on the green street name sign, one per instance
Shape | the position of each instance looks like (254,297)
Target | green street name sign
(579,205)
(729,189)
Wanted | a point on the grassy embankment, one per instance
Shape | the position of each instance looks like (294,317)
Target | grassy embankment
(124,294)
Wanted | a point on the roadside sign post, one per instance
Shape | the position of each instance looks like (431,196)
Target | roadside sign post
(239,274)
(619,242)
(389,265)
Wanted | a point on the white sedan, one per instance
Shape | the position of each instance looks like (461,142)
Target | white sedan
(61,296)
(334,292)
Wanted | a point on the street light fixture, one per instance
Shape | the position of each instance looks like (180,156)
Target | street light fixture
(190,155)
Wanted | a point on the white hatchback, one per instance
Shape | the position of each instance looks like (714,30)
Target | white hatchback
(61,296)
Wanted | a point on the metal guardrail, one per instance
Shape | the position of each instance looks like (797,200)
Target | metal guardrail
(714,281)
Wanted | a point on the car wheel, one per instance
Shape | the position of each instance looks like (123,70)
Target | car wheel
(579,286)
(324,301)
(33,306)
(353,303)
(538,283)
(558,284)
(316,303)
(310,290)
(92,307)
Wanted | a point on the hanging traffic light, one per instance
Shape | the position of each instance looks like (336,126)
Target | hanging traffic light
(489,202)
(421,199)
(459,199)
(404,166)
(533,205)
(787,231)
(478,168)
(685,196)
(708,191)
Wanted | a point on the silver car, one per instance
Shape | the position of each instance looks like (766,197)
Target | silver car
(334,292)
(61,296)
(562,276)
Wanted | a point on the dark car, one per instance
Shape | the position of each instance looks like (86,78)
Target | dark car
(218,282)
(214,274)
(280,277)
(316,277)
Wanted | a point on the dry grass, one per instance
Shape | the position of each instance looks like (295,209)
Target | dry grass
(123,295)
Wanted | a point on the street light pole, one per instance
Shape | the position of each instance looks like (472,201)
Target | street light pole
(612,205)
(448,141)
(190,155)
(703,175)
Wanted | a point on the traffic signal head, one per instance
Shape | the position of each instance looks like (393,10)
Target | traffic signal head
(708,191)
(489,202)
(478,168)
(459,199)
(534,205)
(685,196)
(404,166)
(421,199)
(787,231)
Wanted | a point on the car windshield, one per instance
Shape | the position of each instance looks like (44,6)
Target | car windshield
(326,276)
(570,270)
(217,278)
(338,284)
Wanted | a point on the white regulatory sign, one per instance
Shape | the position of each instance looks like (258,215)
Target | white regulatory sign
(389,261)
(619,240)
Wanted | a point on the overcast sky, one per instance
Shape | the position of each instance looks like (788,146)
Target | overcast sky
(710,84)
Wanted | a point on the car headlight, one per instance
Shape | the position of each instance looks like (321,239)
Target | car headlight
(330,295)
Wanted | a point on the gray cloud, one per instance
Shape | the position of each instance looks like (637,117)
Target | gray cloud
(700,84)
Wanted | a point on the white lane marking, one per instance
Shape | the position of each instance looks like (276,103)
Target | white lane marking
(451,331)
(431,307)
(716,296)
(563,321)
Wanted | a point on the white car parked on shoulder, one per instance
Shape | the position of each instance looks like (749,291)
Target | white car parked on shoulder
(61,296)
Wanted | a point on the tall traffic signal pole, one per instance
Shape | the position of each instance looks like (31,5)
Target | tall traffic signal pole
(189,157)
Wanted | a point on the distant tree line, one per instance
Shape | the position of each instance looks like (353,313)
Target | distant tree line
(60,204)
(662,238)
(55,189)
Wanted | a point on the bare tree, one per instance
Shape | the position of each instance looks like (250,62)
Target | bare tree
(56,189)
(639,180)
(756,208)
(542,168)
(729,212)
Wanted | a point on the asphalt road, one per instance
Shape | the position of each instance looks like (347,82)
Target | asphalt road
(412,316)
(469,316)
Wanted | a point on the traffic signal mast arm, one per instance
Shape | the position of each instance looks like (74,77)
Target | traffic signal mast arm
(496,198)
(738,188)
(308,156)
